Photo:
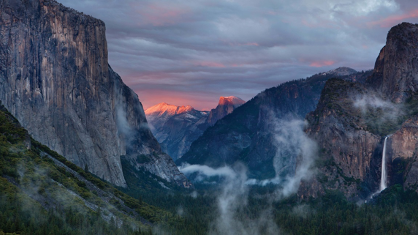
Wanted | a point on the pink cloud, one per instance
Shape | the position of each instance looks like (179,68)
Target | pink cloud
(320,23)
(159,15)
(234,44)
(243,44)
(252,44)
(211,64)
(395,19)
(271,12)
(322,63)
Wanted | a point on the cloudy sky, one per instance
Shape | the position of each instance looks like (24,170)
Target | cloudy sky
(191,52)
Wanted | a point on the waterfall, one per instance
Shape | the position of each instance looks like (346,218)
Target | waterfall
(383,178)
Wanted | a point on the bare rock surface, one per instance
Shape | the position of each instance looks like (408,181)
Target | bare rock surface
(352,120)
(55,79)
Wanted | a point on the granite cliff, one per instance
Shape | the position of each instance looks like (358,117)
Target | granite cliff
(353,119)
(55,79)
(226,105)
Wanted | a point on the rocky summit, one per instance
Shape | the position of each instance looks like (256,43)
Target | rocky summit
(176,127)
(225,106)
(55,79)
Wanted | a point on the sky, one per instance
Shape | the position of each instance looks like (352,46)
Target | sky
(191,52)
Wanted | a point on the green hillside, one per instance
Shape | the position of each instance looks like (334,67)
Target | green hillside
(43,193)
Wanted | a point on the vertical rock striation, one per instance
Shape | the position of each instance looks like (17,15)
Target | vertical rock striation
(55,79)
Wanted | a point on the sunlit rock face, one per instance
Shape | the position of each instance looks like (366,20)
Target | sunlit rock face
(176,127)
(352,120)
(225,106)
(55,79)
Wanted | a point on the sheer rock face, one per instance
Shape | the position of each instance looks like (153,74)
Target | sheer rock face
(397,65)
(349,153)
(225,106)
(404,142)
(352,121)
(55,78)
(403,145)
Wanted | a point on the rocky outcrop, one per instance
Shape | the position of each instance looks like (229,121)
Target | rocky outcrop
(225,106)
(55,78)
(249,133)
(403,149)
(404,142)
(352,121)
(347,147)
(396,70)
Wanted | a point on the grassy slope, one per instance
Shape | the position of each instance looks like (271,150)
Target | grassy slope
(39,194)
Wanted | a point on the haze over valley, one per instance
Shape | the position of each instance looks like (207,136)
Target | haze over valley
(208,117)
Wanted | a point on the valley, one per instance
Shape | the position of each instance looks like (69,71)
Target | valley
(332,153)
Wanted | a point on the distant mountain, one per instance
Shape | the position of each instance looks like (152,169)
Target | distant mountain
(341,71)
(225,106)
(55,79)
(176,127)
(248,133)
(164,110)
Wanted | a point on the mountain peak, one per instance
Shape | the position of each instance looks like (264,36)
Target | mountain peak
(230,100)
(341,71)
(164,108)
(395,68)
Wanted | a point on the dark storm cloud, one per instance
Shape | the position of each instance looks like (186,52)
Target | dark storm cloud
(192,52)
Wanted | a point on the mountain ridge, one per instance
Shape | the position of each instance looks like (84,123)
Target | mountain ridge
(176,127)
(247,134)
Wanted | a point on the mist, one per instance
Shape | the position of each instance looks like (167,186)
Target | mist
(378,110)
(293,162)
(204,172)
(122,121)
(295,154)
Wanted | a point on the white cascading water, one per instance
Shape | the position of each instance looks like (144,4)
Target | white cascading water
(383,180)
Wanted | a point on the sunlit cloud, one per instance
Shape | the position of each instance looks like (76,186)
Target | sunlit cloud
(319,64)
(396,19)
(209,64)
(158,14)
